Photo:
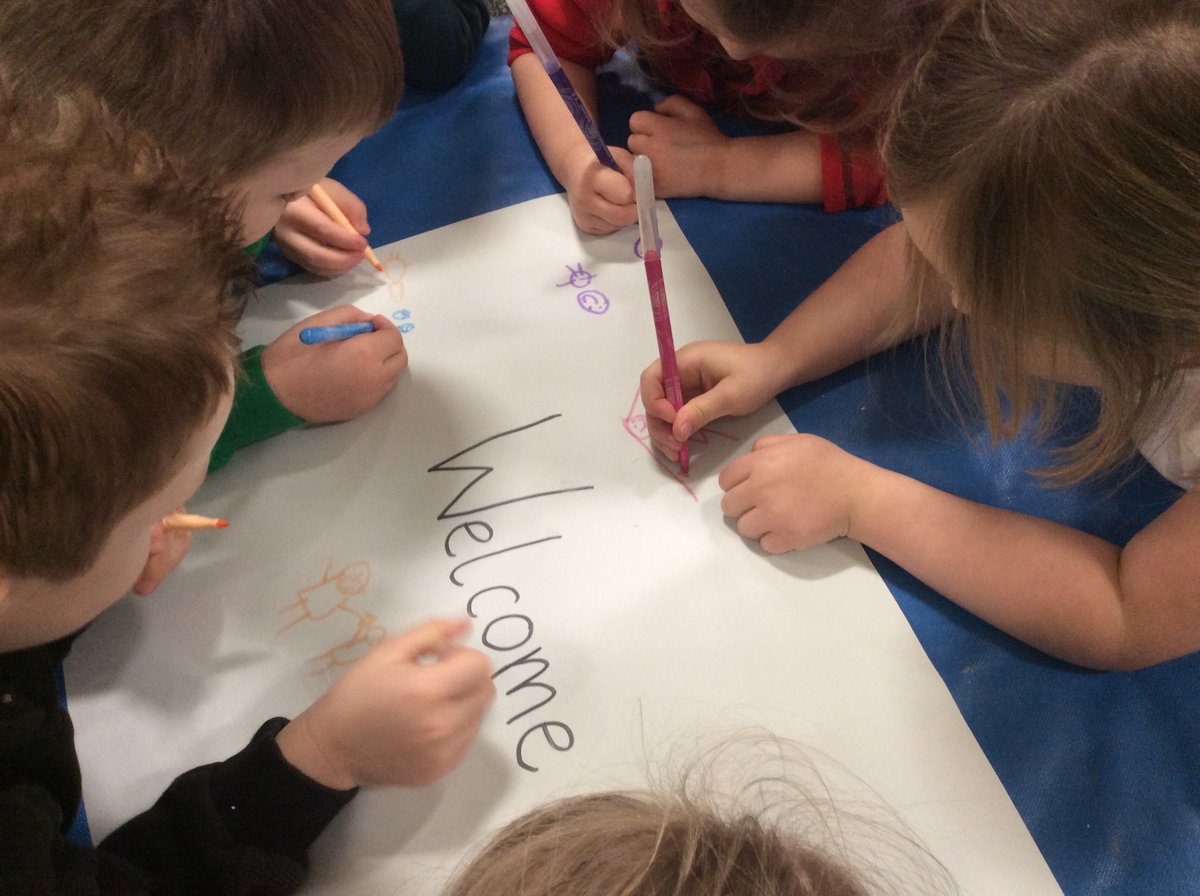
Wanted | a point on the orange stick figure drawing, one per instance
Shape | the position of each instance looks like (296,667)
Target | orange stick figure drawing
(326,597)
(366,635)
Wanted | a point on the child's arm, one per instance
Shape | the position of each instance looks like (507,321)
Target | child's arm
(1063,591)
(601,199)
(693,158)
(857,312)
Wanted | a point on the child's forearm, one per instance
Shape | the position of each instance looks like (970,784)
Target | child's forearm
(860,310)
(553,127)
(776,168)
(1058,589)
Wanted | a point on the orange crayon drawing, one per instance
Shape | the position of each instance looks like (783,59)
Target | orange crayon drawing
(366,635)
(396,281)
(328,602)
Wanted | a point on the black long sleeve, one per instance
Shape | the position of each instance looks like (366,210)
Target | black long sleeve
(239,826)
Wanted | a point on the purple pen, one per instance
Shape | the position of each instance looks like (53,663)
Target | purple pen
(542,50)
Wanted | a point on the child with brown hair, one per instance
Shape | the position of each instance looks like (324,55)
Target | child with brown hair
(119,288)
(828,67)
(261,97)
(1046,158)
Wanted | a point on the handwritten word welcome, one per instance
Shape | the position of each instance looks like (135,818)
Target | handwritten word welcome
(509,631)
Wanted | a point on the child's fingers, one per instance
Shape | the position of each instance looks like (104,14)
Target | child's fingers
(386,345)
(352,207)
(692,417)
(677,106)
(735,473)
(616,190)
(308,220)
(425,639)
(464,673)
(644,123)
(324,261)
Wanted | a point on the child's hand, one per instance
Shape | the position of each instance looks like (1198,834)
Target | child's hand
(601,199)
(334,381)
(316,242)
(685,147)
(168,547)
(405,714)
(795,491)
(717,378)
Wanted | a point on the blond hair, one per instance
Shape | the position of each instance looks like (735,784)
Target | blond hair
(117,312)
(1059,145)
(753,816)
(225,85)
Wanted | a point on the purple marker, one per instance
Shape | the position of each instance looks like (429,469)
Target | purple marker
(542,50)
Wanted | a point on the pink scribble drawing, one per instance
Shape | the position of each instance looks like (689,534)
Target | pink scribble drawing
(635,424)
(327,603)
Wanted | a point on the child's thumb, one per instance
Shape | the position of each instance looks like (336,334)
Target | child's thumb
(694,416)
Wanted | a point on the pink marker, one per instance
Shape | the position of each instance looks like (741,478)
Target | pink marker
(643,183)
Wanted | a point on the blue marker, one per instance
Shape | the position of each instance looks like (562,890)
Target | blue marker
(334,333)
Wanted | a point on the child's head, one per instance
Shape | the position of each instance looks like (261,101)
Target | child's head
(754,816)
(263,95)
(845,57)
(640,844)
(1047,158)
(117,351)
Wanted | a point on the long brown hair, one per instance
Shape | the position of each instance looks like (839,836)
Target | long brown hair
(120,285)
(856,53)
(1059,144)
(224,85)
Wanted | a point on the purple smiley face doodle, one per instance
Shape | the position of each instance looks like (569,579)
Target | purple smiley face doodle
(593,302)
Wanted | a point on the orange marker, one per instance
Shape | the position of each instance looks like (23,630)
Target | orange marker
(192,521)
(326,204)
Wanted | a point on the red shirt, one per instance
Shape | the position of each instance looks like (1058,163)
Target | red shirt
(697,67)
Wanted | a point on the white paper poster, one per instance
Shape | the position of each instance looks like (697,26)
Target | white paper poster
(508,475)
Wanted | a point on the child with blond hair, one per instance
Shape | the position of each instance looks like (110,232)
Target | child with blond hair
(1046,160)
(751,816)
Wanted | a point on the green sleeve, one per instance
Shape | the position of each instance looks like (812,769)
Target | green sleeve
(255,249)
(256,415)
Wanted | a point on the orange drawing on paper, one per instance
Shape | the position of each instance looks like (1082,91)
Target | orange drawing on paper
(327,603)
(366,635)
(396,281)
